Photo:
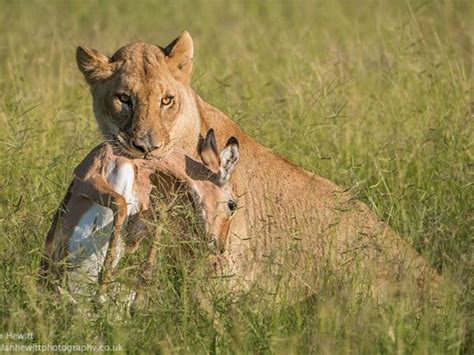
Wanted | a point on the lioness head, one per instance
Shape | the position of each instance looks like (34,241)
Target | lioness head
(141,95)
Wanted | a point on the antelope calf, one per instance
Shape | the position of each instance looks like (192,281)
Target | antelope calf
(109,188)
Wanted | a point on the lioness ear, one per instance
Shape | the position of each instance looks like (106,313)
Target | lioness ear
(207,149)
(229,158)
(94,65)
(179,57)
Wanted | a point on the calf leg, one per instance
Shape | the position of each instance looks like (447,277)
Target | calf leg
(150,263)
(120,214)
(151,259)
(99,191)
(138,227)
(48,259)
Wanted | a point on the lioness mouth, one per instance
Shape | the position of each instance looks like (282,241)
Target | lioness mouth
(128,148)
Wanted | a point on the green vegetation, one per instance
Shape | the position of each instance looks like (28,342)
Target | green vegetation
(374,95)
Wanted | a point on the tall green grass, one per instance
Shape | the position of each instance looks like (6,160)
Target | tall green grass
(375,96)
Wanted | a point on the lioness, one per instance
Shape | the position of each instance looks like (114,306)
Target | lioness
(142,96)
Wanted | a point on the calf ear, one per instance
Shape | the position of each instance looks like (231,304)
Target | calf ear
(229,158)
(179,57)
(208,151)
(94,65)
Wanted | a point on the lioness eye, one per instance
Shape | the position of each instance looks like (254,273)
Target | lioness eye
(232,205)
(167,100)
(124,98)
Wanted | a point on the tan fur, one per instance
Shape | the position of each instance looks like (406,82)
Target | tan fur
(93,184)
(281,205)
(148,75)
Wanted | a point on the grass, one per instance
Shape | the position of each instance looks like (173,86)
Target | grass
(375,96)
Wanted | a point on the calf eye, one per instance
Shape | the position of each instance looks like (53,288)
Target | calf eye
(232,205)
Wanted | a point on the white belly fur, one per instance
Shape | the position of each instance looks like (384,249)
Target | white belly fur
(122,178)
(88,244)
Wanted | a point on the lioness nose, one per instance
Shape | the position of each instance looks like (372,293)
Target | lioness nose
(145,144)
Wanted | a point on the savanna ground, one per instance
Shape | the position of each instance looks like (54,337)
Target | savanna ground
(375,96)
